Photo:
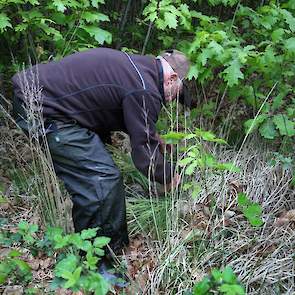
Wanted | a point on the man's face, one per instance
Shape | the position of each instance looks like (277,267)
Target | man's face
(172,86)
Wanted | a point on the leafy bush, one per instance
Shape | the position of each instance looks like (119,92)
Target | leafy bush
(219,282)
(58,27)
(249,57)
(72,270)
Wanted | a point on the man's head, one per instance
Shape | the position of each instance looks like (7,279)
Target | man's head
(175,68)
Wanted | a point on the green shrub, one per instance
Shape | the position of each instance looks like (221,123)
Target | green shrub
(72,270)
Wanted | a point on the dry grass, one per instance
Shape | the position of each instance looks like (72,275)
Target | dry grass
(32,159)
(198,236)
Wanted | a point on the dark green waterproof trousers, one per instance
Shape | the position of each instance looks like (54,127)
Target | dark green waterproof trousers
(91,177)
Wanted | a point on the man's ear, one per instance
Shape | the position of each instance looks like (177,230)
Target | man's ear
(173,76)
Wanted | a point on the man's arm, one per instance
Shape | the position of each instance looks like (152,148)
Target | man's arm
(141,111)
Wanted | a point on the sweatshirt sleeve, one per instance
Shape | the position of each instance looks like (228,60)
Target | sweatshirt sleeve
(141,110)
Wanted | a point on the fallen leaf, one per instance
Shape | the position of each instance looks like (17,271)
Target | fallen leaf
(285,218)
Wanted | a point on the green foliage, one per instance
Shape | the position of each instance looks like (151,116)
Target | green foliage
(219,282)
(14,268)
(249,54)
(72,271)
(196,159)
(57,25)
(252,211)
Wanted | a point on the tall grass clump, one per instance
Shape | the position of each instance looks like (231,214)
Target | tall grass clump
(38,173)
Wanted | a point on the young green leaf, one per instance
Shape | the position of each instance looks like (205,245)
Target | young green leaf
(60,5)
(253,124)
(285,126)
(233,73)
(89,233)
(72,278)
(170,20)
(203,287)
(268,129)
(251,210)
(228,275)
(68,263)
(230,289)
(100,242)
(290,45)
(243,200)
(100,35)
(173,137)
(4,22)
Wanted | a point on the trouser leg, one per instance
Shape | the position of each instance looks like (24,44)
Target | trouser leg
(93,180)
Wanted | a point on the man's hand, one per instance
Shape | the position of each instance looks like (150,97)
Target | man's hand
(163,145)
(174,183)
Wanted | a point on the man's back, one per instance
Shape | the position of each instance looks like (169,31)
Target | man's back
(90,86)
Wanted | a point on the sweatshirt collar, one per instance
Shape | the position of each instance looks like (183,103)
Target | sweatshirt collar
(161,79)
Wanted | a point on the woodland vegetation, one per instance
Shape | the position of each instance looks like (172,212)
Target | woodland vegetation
(229,227)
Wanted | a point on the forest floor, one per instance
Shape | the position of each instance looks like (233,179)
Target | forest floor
(176,242)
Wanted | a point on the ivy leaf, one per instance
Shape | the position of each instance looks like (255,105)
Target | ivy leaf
(233,73)
(268,129)
(285,126)
(91,261)
(253,213)
(98,284)
(100,35)
(14,253)
(243,200)
(23,266)
(4,22)
(290,45)
(278,100)
(170,20)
